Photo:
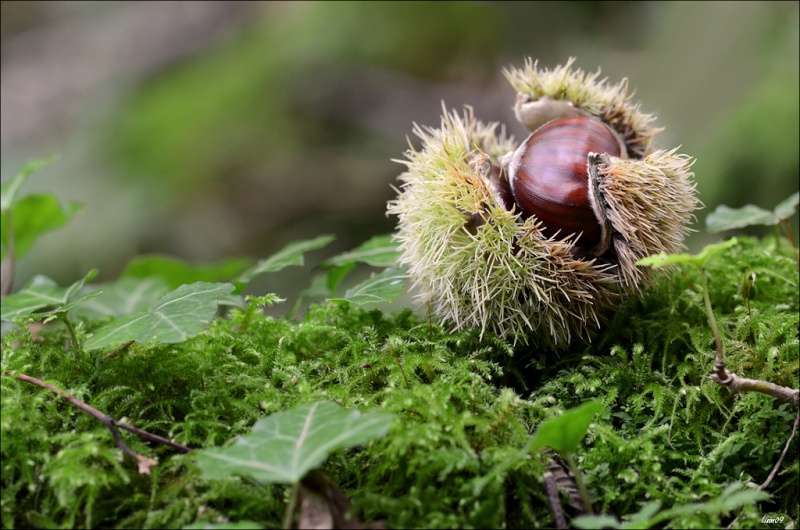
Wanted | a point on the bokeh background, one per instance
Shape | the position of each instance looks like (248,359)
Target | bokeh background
(209,130)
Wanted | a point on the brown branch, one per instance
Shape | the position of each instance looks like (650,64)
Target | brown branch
(783,454)
(736,385)
(153,437)
(145,463)
(554,499)
(775,468)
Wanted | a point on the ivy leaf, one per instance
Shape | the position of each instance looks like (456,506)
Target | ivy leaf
(8,193)
(663,259)
(379,251)
(643,518)
(284,446)
(336,275)
(383,287)
(291,254)
(45,298)
(34,215)
(178,315)
(726,218)
(123,297)
(786,208)
(595,522)
(564,433)
(176,272)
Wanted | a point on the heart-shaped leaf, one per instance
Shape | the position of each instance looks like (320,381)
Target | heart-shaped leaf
(291,254)
(176,272)
(727,218)
(34,215)
(179,315)
(45,298)
(663,259)
(379,251)
(383,287)
(9,190)
(564,433)
(284,446)
(124,297)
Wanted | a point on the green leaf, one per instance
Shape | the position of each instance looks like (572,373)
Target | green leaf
(44,297)
(176,272)
(32,216)
(663,259)
(732,498)
(726,218)
(291,254)
(8,193)
(123,297)
(238,525)
(318,288)
(786,208)
(644,517)
(564,433)
(336,275)
(284,446)
(383,287)
(379,251)
(178,315)
(595,522)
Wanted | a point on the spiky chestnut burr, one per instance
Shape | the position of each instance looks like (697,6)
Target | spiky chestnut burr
(483,252)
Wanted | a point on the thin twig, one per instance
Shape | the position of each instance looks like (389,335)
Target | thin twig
(774,471)
(145,463)
(733,382)
(691,285)
(153,437)
(555,501)
(736,385)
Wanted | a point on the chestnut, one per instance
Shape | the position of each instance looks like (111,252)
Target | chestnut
(549,176)
(539,241)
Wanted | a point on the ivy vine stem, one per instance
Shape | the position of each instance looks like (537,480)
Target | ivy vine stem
(290,509)
(71,328)
(587,501)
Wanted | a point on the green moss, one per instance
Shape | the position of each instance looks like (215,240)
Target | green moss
(465,407)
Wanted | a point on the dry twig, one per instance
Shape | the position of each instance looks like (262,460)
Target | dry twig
(145,463)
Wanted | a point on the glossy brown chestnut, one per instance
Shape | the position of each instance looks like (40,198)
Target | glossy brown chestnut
(549,178)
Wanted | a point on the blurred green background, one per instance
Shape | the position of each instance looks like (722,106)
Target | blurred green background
(209,130)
